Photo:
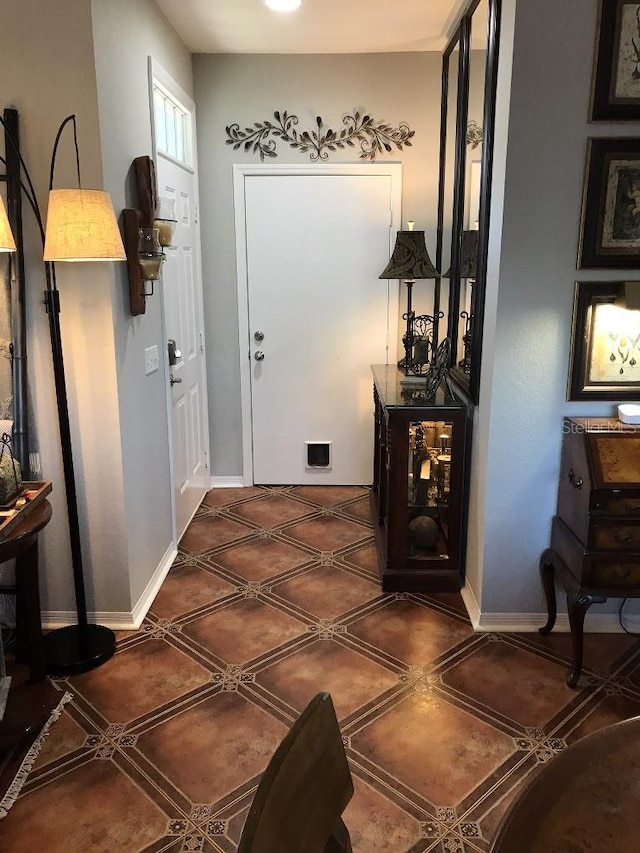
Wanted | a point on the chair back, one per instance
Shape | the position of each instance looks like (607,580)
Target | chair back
(304,790)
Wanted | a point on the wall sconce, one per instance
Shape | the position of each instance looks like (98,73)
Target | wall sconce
(165,220)
(146,230)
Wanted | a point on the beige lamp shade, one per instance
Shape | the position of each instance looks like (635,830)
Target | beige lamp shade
(7,243)
(81,226)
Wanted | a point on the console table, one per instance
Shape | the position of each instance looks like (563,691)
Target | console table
(21,543)
(595,537)
(420,448)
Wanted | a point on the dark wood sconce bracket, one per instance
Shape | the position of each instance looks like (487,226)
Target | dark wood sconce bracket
(133,220)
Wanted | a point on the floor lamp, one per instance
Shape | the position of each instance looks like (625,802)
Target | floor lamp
(81,226)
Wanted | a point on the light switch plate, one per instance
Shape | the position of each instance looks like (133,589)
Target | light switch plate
(151,360)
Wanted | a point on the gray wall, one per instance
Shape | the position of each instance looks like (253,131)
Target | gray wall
(125,34)
(46,61)
(532,274)
(247,89)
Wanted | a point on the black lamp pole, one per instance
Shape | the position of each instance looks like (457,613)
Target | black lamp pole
(74,648)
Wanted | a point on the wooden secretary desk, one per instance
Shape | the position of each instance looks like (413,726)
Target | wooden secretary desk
(595,537)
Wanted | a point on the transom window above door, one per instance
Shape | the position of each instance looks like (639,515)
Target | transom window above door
(172,126)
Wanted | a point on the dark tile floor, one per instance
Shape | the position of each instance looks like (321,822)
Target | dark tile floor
(273,597)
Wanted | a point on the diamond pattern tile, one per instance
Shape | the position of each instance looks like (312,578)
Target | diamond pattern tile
(520,685)
(244,630)
(198,750)
(410,631)
(273,597)
(261,558)
(350,678)
(450,751)
(186,588)
(328,533)
(271,511)
(327,591)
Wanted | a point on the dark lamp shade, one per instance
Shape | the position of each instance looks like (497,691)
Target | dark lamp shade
(410,259)
(469,260)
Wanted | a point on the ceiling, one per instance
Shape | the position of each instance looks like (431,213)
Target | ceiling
(318,26)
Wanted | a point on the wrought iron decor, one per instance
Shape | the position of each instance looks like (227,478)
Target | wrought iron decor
(373,136)
(474,134)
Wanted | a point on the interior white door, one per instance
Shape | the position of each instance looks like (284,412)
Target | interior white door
(319,316)
(182,288)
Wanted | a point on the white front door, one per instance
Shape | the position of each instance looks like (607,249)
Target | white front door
(318,317)
(182,287)
(176,179)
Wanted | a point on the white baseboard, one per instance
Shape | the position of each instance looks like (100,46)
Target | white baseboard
(227,482)
(118,620)
(594,623)
(151,590)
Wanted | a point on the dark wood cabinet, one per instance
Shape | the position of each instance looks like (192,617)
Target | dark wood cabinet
(595,536)
(418,484)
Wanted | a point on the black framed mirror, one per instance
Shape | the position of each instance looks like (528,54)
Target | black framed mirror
(13,352)
(469,74)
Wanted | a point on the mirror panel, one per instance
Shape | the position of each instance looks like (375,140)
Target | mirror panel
(465,164)
(451,74)
(472,182)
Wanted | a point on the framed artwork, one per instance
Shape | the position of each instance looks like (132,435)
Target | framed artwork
(604,362)
(615,93)
(610,221)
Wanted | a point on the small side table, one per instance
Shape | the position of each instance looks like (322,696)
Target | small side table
(21,544)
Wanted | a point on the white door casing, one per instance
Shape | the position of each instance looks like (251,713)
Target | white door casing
(311,243)
(183,314)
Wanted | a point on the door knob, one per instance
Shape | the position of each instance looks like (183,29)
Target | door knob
(174,381)
(259,336)
(258,355)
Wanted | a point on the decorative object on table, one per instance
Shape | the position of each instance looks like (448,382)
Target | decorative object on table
(31,495)
(424,531)
(604,361)
(10,473)
(410,261)
(468,270)
(374,136)
(615,94)
(610,221)
(629,413)
(142,229)
(81,226)
(438,369)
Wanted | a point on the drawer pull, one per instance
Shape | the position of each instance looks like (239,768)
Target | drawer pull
(622,537)
(632,507)
(620,571)
(576,482)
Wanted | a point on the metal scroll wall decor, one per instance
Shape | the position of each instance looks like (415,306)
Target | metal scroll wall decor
(474,134)
(373,137)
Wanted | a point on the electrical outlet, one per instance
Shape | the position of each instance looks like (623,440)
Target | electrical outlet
(151,360)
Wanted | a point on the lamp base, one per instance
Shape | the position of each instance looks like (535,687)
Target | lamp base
(77,648)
